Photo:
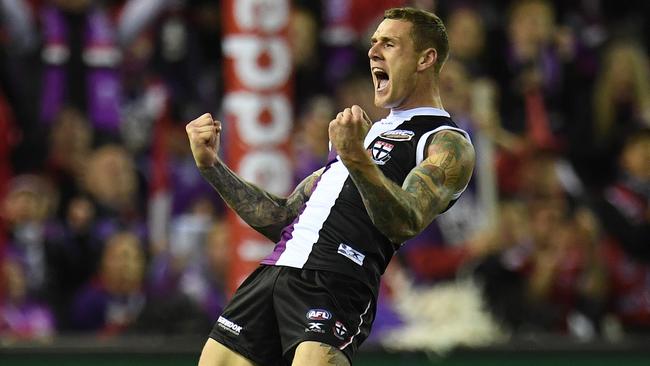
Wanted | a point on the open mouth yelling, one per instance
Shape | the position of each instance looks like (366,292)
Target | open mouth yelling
(381,78)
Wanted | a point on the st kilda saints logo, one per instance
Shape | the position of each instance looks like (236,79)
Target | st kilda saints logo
(380,151)
(340,331)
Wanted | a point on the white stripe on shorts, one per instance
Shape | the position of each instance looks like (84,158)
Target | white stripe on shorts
(358,328)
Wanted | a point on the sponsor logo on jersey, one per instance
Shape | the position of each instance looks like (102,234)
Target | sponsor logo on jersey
(340,330)
(351,254)
(229,326)
(380,152)
(315,327)
(318,314)
(398,135)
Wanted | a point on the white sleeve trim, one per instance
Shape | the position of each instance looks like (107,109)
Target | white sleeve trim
(419,151)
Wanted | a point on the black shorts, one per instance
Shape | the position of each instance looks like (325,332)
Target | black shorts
(277,308)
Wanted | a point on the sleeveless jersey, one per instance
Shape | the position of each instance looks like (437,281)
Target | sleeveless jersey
(333,230)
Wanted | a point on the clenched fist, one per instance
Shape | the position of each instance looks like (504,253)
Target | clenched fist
(347,132)
(204,133)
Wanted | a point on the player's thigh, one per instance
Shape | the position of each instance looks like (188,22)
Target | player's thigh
(216,354)
(311,353)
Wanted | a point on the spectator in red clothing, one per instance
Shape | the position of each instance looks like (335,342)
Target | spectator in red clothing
(624,213)
(531,82)
(625,210)
(552,277)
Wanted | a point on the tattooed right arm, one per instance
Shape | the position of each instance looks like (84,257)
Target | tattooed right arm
(263,211)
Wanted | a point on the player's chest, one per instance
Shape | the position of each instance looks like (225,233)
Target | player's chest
(391,144)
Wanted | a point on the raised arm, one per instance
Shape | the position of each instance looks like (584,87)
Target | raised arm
(263,211)
(401,213)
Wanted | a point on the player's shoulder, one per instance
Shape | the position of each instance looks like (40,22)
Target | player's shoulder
(432,119)
(454,141)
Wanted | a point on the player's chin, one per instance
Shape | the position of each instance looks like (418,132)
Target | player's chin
(381,101)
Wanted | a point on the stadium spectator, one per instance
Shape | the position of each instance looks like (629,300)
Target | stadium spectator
(70,144)
(621,98)
(467,35)
(80,60)
(310,142)
(21,316)
(112,301)
(112,182)
(27,211)
(624,214)
(531,80)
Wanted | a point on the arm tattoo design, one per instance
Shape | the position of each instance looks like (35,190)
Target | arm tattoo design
(336,357)
(263,211)
(400,213)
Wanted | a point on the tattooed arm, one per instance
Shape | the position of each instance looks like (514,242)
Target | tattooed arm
(263,211)
(400,213)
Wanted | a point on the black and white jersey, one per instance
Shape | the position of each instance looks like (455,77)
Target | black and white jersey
(333,230)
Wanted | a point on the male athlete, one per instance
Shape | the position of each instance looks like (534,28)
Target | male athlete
(312,301)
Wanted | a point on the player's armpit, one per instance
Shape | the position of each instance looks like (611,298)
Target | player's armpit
(284,210)
(302,192)
(445,172)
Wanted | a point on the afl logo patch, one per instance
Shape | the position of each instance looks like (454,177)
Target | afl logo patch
(398,135)
(318,314)
(381,152)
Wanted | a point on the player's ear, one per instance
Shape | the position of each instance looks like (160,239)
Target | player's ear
(427,59)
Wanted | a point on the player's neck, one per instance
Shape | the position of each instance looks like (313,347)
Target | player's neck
(429,97)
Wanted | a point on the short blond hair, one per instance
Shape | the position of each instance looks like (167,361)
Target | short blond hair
(428,31)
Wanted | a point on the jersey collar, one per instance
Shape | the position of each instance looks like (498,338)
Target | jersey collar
(421,111)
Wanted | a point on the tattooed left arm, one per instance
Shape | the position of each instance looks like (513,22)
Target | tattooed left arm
(401,213)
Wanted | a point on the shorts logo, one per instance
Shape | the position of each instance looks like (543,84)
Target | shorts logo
(229,326)
(318,314)
(315,327)
(351,254)
(398,135)
(340,330)
(381,152)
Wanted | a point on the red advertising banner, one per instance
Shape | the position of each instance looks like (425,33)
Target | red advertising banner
(257,116)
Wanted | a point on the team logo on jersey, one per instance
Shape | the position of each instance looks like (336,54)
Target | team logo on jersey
(351,254)
(318,314)
(398,135)
(381,152)
(340,330)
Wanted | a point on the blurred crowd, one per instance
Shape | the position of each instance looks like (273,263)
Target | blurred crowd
(107,227)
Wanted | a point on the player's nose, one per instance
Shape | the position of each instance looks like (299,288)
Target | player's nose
(373,52)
